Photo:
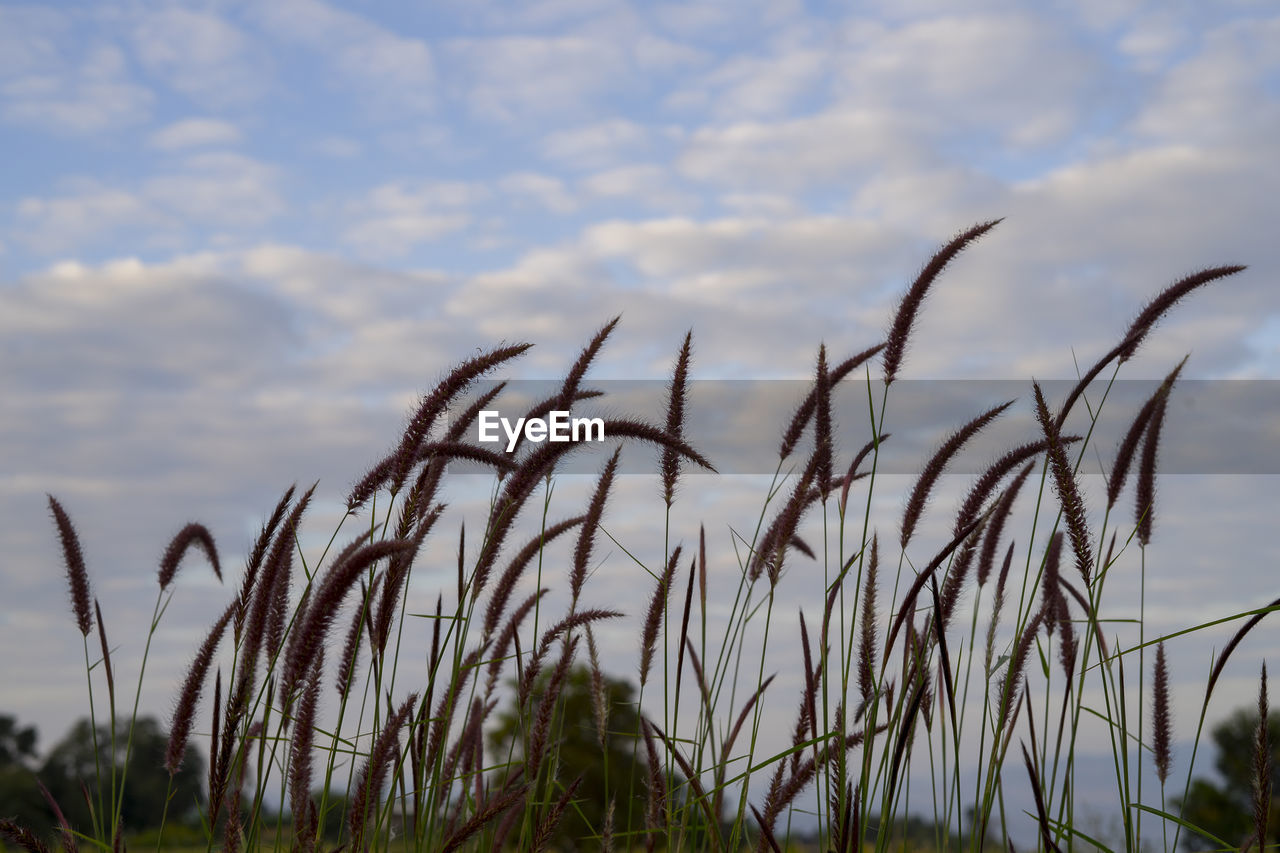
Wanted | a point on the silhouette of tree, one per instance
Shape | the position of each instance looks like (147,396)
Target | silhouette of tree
(1225,808)
(17,744)
(616,772)
(20,797)
(71,763)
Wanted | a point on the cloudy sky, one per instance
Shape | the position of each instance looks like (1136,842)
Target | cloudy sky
(237,238)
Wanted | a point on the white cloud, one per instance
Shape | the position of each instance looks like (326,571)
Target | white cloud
(70,221)
(1220,93)
(1015,76)
(664,56)
(794,154)
(935,199)
(367,327)
(114,318)
(745,87)
(412,197)
(1110,233)
(338,147)
(596,145)
(394,235)
(677,248)
(760,205)
(393,69)
(223,190)
(29,37)
(621,24)
(146,395)
(646,183)
(525,14)
(724,19)
(194,132)
(1105,15)
(201,55)
(91,95)
(511,78)
(1150,202)
(220,189)
(1152,39)
(220,321)
(727,279)
(546,190)
(394,218)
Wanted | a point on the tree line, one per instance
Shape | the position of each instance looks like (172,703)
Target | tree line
(67,772)
(70,769)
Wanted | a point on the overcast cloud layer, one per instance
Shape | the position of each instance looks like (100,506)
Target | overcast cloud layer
(237,238)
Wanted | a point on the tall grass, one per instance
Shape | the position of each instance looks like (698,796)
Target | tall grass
(911,699)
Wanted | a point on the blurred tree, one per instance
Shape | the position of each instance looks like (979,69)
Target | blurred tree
(17,744)
(71,763)
(336,808)
(20,797)
(1226,809)
(616,772)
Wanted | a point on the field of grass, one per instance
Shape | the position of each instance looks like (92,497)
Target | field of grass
(915,657)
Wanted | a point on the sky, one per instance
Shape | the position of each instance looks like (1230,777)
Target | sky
(237,239)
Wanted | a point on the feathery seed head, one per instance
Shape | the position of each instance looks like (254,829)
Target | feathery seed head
(77,574)
(676,398)
(1065,484)
(904,319)
(192,534)
(1162,739)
